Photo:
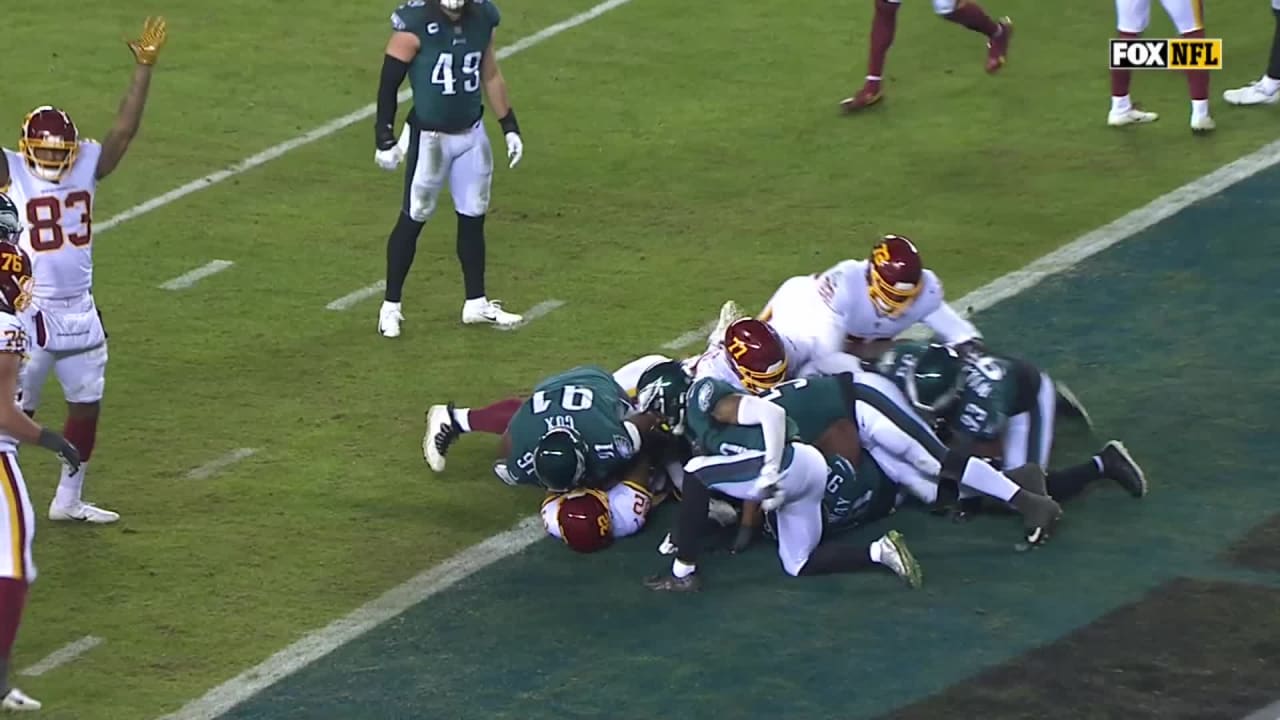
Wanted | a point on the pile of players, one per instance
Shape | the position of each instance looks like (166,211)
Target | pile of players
(805,421)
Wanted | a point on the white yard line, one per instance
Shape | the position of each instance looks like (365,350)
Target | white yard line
(696,335)
(63,655)
(1270,712)
(336,125)
(533,313)
(186,280)
(213,467)
(352,298)
(319,643)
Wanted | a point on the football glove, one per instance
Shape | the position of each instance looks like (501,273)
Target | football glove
(66,452)
(147,47)
(515,148)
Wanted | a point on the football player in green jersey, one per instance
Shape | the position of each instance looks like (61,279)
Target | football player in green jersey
(1002,407)
(446,49)
(747,451)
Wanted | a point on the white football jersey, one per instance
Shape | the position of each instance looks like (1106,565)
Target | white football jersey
(59,219)
(13,339)
(843,288)
(714,363)
(628,509)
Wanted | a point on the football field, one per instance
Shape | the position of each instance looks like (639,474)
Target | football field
(263,448)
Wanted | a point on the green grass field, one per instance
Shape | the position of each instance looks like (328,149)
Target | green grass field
(677,154)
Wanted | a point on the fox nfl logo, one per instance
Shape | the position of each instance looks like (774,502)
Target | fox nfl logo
(1169,54)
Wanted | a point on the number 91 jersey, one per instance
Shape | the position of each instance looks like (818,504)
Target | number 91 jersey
(588,400)
(58,216)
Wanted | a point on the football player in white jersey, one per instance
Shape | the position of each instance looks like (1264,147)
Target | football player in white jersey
(859,306)
(589,520)
(17,519)
(53,178)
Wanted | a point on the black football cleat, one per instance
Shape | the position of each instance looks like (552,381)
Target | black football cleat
(1120,466)
(670,583)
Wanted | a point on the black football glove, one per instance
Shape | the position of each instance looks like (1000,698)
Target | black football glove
(384,137)
(66,452)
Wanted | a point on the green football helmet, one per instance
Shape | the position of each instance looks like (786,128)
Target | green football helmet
(662,390)
(935,380)
(560,459)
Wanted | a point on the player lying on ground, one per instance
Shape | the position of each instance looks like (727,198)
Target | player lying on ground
(912,455)
(747,453)
(860,306)
(1002,407)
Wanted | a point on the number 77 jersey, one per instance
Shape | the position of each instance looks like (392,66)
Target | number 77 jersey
(59,220)
(588,400)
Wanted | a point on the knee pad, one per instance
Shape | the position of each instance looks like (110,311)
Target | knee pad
(422,202)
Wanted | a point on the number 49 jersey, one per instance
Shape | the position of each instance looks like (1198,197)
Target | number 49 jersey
(445,74)
(59,219)
(588,400)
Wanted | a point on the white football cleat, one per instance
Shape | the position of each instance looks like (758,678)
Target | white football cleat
(488,311)
(389,319)
(895,555)
(1132,116)
(729,312)
(18,701)
(441,432)
(82,512)
(1252,94)
(1203,124)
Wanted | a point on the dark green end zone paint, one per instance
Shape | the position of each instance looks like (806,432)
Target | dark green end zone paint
(1163,337)
(1188,649)
(1260,549)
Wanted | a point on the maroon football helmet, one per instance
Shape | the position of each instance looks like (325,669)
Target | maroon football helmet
(895,274)
(585,522)
(49,142)
(756,353)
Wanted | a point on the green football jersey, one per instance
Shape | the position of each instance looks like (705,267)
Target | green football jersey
(712,437)
(815,403)
(867,497)
(900,360)
(586,399)
(445,74)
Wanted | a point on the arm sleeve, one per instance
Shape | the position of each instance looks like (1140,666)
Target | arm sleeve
(393,72)
(772,420)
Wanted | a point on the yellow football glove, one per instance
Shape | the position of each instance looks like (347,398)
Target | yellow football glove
(147,48)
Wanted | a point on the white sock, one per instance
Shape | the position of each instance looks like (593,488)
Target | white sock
(389,306)
(1097,460)
(873,78)
(680,569)
(462,418)
(982,477)
(1121,103)
(70,486)
(476,303)
(875,551)
(1269,84)
(1199,109)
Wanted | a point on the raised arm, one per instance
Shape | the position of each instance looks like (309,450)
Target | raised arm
(129,117)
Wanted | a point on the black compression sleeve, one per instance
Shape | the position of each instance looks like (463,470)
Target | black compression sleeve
(393,72)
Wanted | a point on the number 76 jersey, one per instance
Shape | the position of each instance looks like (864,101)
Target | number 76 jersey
(59,220)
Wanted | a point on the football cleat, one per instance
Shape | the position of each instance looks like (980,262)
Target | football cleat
(488,311)
(729,312)
(501,472)
(866,97)
(442,431)
(1203,124)
(82,512)
(1253,94)
(1039,517)
(895,555)
(18,701)
(1120,466)
(670,583)
(1070,406)
(998,46)
(1132,116)
(389,319)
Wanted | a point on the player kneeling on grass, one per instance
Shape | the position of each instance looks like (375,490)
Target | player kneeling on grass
(1005,408)
(749,455)
(17,519)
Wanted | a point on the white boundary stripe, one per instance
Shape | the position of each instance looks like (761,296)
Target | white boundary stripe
(214,466)
(317,644)
(337,125)
(352,298)
(63,655)
(533,313)
(186,280)
(1270,712)
(690,337)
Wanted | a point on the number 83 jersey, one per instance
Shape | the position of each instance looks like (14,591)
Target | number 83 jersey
(58,216)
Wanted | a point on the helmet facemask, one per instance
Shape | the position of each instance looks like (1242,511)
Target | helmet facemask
(560,459)
(934,382)
(662,391)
